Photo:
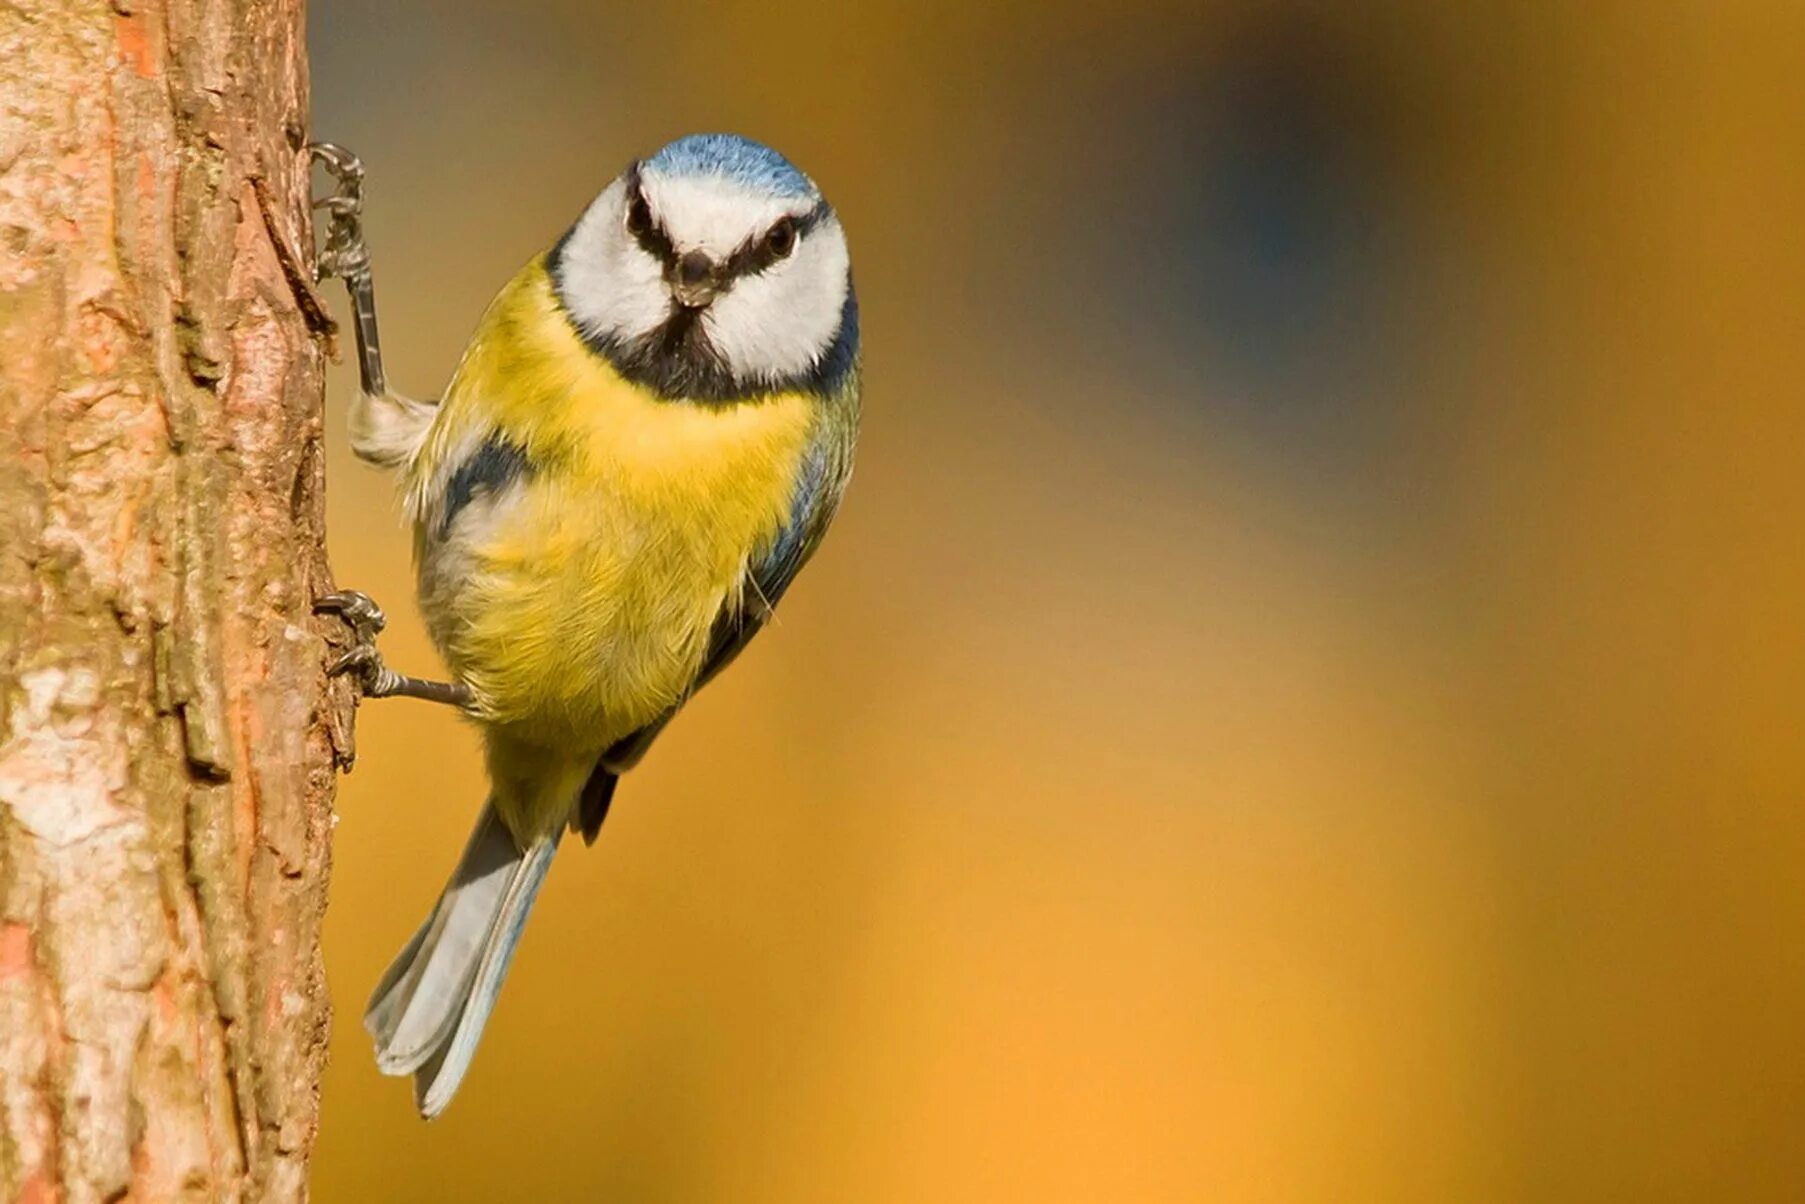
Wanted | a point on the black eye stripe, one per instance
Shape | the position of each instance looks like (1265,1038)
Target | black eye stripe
(651,237)
(756,254)
(751,257)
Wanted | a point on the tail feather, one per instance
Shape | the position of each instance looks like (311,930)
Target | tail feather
(437,1081)
(425,991)
(429,1010)
(386,999)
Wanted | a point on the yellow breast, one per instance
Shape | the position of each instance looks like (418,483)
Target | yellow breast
(586,607)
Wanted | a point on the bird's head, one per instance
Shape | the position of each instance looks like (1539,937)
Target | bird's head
(711,271)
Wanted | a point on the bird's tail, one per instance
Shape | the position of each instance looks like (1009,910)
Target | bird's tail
(428,1012)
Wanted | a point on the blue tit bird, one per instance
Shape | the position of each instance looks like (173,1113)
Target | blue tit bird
(644,442)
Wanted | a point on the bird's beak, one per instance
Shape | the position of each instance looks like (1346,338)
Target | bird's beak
(695,280)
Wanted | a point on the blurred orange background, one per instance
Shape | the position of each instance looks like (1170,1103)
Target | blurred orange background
(1304,699)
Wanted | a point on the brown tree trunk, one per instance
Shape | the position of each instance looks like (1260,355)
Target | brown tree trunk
(167,737)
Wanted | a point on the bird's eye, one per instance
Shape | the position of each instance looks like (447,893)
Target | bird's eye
(639,216)
(781,239)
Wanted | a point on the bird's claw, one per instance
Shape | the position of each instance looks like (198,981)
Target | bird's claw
(344,254)
(356,608)
(374,678)
(359,612)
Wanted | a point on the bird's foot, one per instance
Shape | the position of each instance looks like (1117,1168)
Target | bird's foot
(374,678)
(357,609)
(366,621)
(345,255)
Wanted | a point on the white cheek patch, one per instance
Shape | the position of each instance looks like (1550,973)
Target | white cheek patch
(780,323)
(608,282)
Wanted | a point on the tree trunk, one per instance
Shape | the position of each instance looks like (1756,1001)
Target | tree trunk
(168,739)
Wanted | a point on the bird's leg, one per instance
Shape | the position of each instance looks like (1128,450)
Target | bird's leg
(366,620)
(386,428)
(347,256)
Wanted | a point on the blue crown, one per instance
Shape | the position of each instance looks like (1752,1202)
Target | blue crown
(741,160)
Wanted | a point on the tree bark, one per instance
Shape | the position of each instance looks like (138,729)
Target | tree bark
(168,738)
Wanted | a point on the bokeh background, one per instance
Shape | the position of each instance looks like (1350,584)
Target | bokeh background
(1304,700)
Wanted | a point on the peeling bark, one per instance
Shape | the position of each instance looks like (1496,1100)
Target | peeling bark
(167,738)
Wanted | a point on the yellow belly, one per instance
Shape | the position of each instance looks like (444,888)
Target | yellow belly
(583,610)
(589,614)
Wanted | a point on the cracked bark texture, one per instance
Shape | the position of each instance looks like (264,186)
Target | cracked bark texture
(167,737)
